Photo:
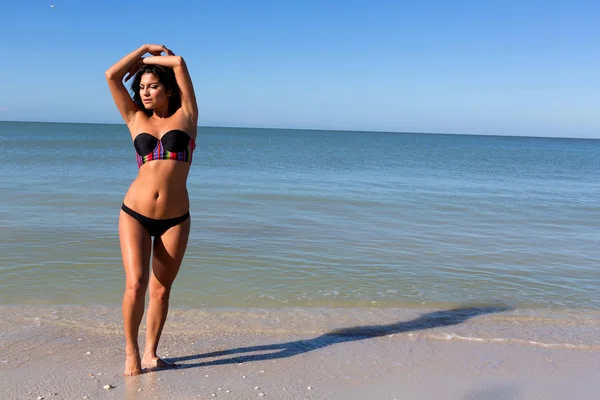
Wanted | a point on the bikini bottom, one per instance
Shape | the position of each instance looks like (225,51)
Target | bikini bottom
(155,227)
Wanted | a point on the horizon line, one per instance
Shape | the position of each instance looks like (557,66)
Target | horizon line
(332,130)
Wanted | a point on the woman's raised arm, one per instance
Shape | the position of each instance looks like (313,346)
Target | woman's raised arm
(128,65)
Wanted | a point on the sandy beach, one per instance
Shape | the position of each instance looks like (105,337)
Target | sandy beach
(464,353)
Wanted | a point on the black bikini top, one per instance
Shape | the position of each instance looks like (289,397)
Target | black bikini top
(173,145)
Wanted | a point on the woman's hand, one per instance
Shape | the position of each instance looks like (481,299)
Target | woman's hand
(155,50)
(158,49)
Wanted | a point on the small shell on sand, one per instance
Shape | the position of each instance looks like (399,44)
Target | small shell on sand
(309,387)
(256,387)
(88,353)
(261,394)
(108,387)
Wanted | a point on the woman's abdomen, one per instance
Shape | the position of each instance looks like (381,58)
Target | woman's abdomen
(159,192)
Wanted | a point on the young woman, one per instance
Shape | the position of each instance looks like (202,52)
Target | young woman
(162,118)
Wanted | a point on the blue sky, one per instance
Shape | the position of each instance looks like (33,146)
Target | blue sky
(474,67)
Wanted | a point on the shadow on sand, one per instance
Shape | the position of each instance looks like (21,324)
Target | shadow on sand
(282,350)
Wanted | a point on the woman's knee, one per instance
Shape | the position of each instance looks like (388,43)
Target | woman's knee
(136,287)
(160,293)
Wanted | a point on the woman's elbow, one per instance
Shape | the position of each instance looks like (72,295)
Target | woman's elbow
(179,61)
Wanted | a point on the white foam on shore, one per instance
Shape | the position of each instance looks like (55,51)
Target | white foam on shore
(449,337)
(567,329)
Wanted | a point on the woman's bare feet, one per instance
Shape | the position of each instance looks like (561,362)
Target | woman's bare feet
(154,362)
(132,363)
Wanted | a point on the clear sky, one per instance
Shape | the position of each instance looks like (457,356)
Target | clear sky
(509,67)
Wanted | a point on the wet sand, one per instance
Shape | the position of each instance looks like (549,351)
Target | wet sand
(484,353)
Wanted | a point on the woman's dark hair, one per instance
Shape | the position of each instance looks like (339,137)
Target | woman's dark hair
(166,76)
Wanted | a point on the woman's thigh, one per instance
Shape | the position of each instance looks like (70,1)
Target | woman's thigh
(168,252)
(136,247)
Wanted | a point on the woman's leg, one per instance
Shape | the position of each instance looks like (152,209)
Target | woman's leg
(136,245)
(168,253)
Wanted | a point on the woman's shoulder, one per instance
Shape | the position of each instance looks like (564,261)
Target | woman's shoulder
(139,121)
(186,123)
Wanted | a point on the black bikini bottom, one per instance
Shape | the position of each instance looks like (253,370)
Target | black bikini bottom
(155,227)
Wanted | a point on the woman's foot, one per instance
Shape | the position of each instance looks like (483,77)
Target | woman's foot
(132,364)
(154,362)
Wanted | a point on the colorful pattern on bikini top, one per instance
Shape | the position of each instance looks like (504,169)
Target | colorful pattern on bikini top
(173,145)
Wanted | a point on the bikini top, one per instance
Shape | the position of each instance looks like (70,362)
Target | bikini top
(173,145)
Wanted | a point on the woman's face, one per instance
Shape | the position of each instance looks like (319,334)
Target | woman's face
(153,93)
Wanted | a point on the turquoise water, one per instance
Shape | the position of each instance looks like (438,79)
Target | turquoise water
(312,218)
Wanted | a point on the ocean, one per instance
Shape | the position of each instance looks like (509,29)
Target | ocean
(304,218)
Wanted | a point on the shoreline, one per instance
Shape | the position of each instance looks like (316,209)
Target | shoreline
(570,328)
(473,353)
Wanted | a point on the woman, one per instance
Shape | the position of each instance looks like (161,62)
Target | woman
(162,118)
